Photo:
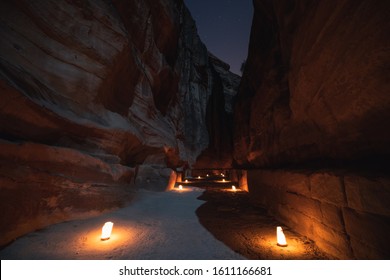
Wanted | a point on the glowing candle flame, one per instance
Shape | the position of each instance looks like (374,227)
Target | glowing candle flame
(234,188)
(281,238)
(180,187)
(223,180)
(106,231)
(207,175)
(198,177)
(186,181)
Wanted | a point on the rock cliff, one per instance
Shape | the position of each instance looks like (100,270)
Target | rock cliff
(315,84)
(97,98)
(311,118)
(219,117)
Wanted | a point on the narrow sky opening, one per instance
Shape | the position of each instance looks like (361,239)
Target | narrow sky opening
(224,27)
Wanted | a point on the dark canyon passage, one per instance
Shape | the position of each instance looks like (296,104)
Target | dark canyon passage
(101,98)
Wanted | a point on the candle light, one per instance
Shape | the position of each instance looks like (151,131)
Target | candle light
(106,231)
(180,187)
(281,238)
(234,188)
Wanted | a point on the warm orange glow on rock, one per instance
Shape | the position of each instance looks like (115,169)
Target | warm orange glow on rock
(106,231)
(281,238)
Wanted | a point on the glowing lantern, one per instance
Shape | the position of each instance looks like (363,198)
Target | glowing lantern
(180,187)
(198,177)
(207,175)
(223,180)
(186,181)
(106,231)
(281,239)
(234,188)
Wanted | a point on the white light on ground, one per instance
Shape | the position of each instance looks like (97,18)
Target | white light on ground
(281,238)
(106,231)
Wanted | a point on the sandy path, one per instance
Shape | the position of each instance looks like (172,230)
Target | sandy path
(155,226)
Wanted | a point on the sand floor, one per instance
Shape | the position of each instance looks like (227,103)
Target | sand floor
(168,225)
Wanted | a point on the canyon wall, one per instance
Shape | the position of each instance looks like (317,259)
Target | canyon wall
(345,212)
(219,118)
(311,120)
(98,98)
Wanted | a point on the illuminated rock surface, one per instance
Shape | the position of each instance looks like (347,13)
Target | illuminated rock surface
(91,93)
(312,111)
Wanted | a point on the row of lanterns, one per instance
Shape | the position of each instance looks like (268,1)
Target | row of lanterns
(107,230)
(180,187)
(280,237)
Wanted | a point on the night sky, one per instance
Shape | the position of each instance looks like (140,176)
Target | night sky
(224,27)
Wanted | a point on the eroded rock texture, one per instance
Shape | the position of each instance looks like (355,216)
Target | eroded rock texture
(315,84)
(315,98)
(97,97)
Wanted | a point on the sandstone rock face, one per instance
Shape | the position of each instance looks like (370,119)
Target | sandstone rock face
(312,108)
(122,87)
(42,184)
(356,226)
(315,85)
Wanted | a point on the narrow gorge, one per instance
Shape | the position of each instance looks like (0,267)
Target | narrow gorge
(103,99)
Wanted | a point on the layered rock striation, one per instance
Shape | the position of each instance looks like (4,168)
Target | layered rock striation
(311,119)
(98,98)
